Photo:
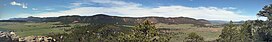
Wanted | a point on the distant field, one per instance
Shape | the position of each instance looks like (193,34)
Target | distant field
(208,33)
(27,29)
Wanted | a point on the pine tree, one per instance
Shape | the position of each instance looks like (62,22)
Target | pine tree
(266,12)
(147,32)
(250,31)
(230,33)
(265,29)
(193,37)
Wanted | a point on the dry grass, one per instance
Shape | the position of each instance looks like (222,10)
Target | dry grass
(206,32)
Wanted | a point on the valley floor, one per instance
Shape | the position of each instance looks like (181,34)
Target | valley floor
(42,29)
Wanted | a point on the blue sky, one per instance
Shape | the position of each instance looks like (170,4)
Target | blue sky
(200,9)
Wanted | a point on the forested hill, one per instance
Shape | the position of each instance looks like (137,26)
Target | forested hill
(102,18)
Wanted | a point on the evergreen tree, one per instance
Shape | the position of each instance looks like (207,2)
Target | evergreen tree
(193,37)
(266,12)
(265,29)
(230,33)
(250,31)
(147,32)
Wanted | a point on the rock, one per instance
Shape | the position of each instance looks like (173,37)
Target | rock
(12,37)
(8,37)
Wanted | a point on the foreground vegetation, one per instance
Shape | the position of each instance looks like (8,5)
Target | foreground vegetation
(250,31)
(179,32)
(145,32)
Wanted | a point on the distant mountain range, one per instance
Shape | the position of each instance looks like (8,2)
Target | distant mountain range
(102,18)
(218,22)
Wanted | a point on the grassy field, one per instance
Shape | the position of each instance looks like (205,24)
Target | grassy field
(206,32)
(28,29)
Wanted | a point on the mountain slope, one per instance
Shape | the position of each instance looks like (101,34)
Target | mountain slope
(101,18)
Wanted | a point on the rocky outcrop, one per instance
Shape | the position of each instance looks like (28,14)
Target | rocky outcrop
(12,37)
(8,37)
(37,39)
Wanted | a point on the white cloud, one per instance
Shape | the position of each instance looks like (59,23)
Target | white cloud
(15,3)
(23,5)
(77,4)
(34,9)
(112,3)
(49,9)
(134,10)
(116,3)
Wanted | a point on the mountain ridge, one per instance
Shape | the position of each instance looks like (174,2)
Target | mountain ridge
(102,18)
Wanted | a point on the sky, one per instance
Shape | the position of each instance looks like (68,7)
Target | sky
(226,10)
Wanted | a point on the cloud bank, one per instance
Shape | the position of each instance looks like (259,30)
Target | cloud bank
(121,8)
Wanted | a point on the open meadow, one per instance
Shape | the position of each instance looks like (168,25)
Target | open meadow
(34,29)
(208,33)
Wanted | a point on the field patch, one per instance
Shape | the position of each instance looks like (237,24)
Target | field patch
(36,29)
(206,32)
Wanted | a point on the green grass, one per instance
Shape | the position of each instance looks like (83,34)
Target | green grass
(27,29)
(177,26)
